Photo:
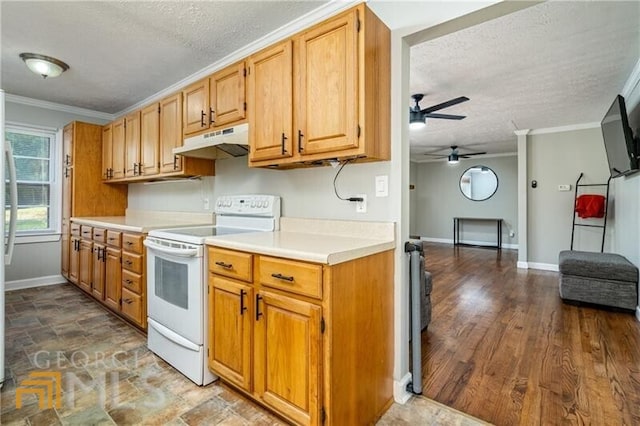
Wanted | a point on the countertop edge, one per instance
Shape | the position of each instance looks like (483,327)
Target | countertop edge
(325,258)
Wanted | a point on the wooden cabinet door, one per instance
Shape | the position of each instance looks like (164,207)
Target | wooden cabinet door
(149,140)
(270,89)
(287,356)
(170,132)
(132,144)
(118,149)
(227,95)
(230,323)
(327,99)
(65,254)
(195,115)
(132,306)
(113,278)
(86,265)
(99,270)
(107,151)
(74,259)
(67,172)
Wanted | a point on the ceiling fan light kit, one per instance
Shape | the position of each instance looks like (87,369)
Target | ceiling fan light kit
(43,65)
(453,158)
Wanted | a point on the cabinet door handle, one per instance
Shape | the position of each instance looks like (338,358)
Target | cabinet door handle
(135,169)
(139,169)
(242,307)
(66,172)
(300,136)
(284,138)
(211,115)
(202,116)
(258,313)
(110,173)
(283,277)
(175,162)
(224,265)
(67,160)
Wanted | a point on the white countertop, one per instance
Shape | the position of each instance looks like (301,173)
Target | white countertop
(320,248)
(145,221)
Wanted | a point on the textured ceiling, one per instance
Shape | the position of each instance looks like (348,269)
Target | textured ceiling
(554,64)
(121,52)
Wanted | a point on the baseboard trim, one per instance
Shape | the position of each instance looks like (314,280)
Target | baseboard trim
(543,266)
(479,243)
(522,265)
(34,282)
(400,393)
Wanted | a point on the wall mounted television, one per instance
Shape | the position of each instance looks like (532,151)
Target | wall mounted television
(622,149)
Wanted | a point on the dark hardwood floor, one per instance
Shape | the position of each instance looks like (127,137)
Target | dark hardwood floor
(504,348)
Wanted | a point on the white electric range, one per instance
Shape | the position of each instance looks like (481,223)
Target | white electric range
(177,280)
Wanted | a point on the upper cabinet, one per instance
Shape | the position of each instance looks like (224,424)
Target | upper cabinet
(340,95)
(140,146)
(270,106)
(215,101)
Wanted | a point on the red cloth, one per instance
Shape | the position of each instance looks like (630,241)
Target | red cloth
(590,205)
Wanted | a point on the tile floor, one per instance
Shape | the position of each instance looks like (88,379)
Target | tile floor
(108,376)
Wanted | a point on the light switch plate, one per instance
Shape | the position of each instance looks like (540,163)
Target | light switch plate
(564,187)
(382,186)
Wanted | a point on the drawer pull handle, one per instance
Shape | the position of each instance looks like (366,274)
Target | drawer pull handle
(128,301)
(224,265)
(128,262)
(282,277)
(128,282)
(111,239)
(242,307)
(129,243)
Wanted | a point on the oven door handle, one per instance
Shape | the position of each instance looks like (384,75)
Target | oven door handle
(174,252)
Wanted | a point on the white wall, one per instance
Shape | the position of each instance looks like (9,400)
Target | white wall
(305,192)
(439,200)
(47,254)
(554,159)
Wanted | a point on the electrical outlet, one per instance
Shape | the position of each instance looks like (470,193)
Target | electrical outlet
(205,202)
(512,234)
(361,206)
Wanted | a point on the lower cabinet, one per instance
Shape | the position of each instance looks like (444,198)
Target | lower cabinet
(110,265)
(300,338)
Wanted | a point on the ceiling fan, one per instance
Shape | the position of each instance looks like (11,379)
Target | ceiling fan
(417,116)
(454,156)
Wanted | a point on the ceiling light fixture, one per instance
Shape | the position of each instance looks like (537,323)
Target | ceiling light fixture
(453,158)
(43,65)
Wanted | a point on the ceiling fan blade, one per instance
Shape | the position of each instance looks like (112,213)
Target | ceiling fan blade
(471,154)
(445,116)
(445,104)
(436,155)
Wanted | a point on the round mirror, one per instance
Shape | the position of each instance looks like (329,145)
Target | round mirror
(478,183)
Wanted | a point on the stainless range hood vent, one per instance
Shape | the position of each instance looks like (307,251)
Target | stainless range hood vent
(218,144)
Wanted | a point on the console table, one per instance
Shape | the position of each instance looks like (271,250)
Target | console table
(456,230)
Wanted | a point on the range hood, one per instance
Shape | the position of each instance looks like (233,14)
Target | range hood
(217,144)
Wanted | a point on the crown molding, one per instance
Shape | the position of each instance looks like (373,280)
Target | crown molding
(501,154)
(522,132)
(58,107)
(323,12)
(569,128)
(631,89)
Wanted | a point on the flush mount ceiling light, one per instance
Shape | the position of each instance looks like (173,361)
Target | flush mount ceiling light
(46,66)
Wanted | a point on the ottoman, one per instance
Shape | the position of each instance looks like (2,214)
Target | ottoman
(600,278)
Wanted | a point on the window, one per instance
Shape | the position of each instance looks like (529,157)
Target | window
(34,153)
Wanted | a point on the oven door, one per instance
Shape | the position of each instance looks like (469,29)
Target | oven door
(175,289)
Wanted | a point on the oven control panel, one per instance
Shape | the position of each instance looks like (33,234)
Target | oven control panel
(249,205)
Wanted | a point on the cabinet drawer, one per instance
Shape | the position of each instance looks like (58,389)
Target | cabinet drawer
(100,235)
(114,238)
(132,262)
(132,243)
(132,281)
(75,229)
(296,277)
(86,231)
(132,305)
(231,264)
